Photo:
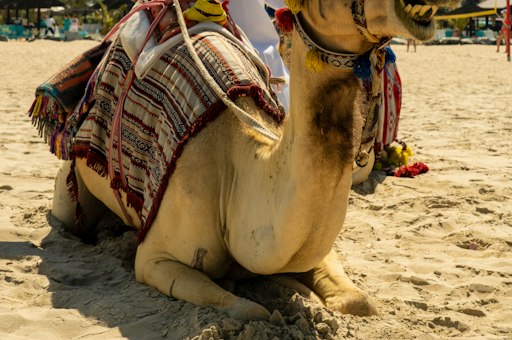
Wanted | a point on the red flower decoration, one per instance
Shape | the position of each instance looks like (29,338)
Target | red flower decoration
(411,170)
(284,19)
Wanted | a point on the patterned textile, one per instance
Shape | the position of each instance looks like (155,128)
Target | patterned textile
(389,109)
(58,96)
(161,111)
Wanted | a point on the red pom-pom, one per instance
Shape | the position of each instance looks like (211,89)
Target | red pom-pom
(411,170)
(284,19)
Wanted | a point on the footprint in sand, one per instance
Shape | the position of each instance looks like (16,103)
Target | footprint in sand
(449,323)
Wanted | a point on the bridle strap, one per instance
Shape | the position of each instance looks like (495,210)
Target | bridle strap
(359,17)
(336,59)
(117,120)
(339,60)
(372,86)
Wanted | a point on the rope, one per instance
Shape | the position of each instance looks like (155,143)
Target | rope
(241,114)
(116,132)
(117,121)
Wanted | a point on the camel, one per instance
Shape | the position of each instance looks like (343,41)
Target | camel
(240,203)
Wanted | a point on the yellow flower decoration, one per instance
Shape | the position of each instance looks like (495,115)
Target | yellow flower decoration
(294,5)
(207,10)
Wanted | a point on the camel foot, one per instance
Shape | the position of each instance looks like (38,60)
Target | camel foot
(297,286)
(189,284)
(355,303)
(246,310)
(330,282)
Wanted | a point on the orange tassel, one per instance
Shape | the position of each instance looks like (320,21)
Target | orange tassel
(294,5)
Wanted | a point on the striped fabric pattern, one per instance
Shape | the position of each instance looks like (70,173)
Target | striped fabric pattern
(389,115)
(162,111)
(56,99)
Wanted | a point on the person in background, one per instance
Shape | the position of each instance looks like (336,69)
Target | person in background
(50,24)
(502,35)
(73,25)
(409,42)
(66,23)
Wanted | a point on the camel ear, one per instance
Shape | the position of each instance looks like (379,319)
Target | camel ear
(295,5)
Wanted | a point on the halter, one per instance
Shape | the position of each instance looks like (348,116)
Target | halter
(367,66)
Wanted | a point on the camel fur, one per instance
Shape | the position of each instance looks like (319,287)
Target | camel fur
(238,204)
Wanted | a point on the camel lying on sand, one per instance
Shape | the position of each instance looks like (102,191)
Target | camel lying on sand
(240,202)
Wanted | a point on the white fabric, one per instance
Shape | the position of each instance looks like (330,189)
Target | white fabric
(133,33)
(275,4)
(251,17)
(50,22)
(491,4)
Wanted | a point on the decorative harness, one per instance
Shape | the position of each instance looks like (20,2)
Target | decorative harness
(367,66)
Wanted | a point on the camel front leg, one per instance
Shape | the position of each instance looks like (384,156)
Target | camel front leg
(331,283)
(64,208)
(185,283)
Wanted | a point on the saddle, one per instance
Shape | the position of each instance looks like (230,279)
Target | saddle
(168,102)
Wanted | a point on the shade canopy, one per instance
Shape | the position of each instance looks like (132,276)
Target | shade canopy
(23,4)
(491,4)
(114,4)
(468,9)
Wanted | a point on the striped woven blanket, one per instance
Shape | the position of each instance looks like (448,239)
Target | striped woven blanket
(389,114)
(162,111)
(57,97)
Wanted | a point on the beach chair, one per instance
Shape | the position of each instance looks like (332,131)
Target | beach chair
(486,37)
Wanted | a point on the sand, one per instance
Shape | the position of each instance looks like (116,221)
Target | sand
(435,251)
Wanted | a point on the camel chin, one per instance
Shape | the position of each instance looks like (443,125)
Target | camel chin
(409,18)
(417,16)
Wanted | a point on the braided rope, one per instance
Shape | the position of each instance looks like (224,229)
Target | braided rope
(241,114)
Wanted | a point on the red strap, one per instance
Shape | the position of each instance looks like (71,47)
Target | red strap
(116,132)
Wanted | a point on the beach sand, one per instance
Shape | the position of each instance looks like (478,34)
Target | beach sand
(435,251)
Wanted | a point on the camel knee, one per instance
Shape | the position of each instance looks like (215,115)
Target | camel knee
(185,283)
(360,175)
(63,206)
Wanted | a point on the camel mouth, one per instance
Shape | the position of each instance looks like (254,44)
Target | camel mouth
(419,11)
(417,16)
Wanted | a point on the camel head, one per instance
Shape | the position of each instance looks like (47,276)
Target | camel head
(409,18)
(332,22)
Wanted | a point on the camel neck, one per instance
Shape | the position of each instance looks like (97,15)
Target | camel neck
(323,111)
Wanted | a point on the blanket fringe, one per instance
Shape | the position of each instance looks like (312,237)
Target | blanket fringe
(202,121)
(49,118)
(256,93)
(53,110)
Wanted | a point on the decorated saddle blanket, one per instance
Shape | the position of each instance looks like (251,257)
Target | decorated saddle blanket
(161,111)
(57,97)
(390,107)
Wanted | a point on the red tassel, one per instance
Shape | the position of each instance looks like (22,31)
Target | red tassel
(284,19)
(411,170)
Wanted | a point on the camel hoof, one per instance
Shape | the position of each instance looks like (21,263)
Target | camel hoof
(355,303)
(247,310)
